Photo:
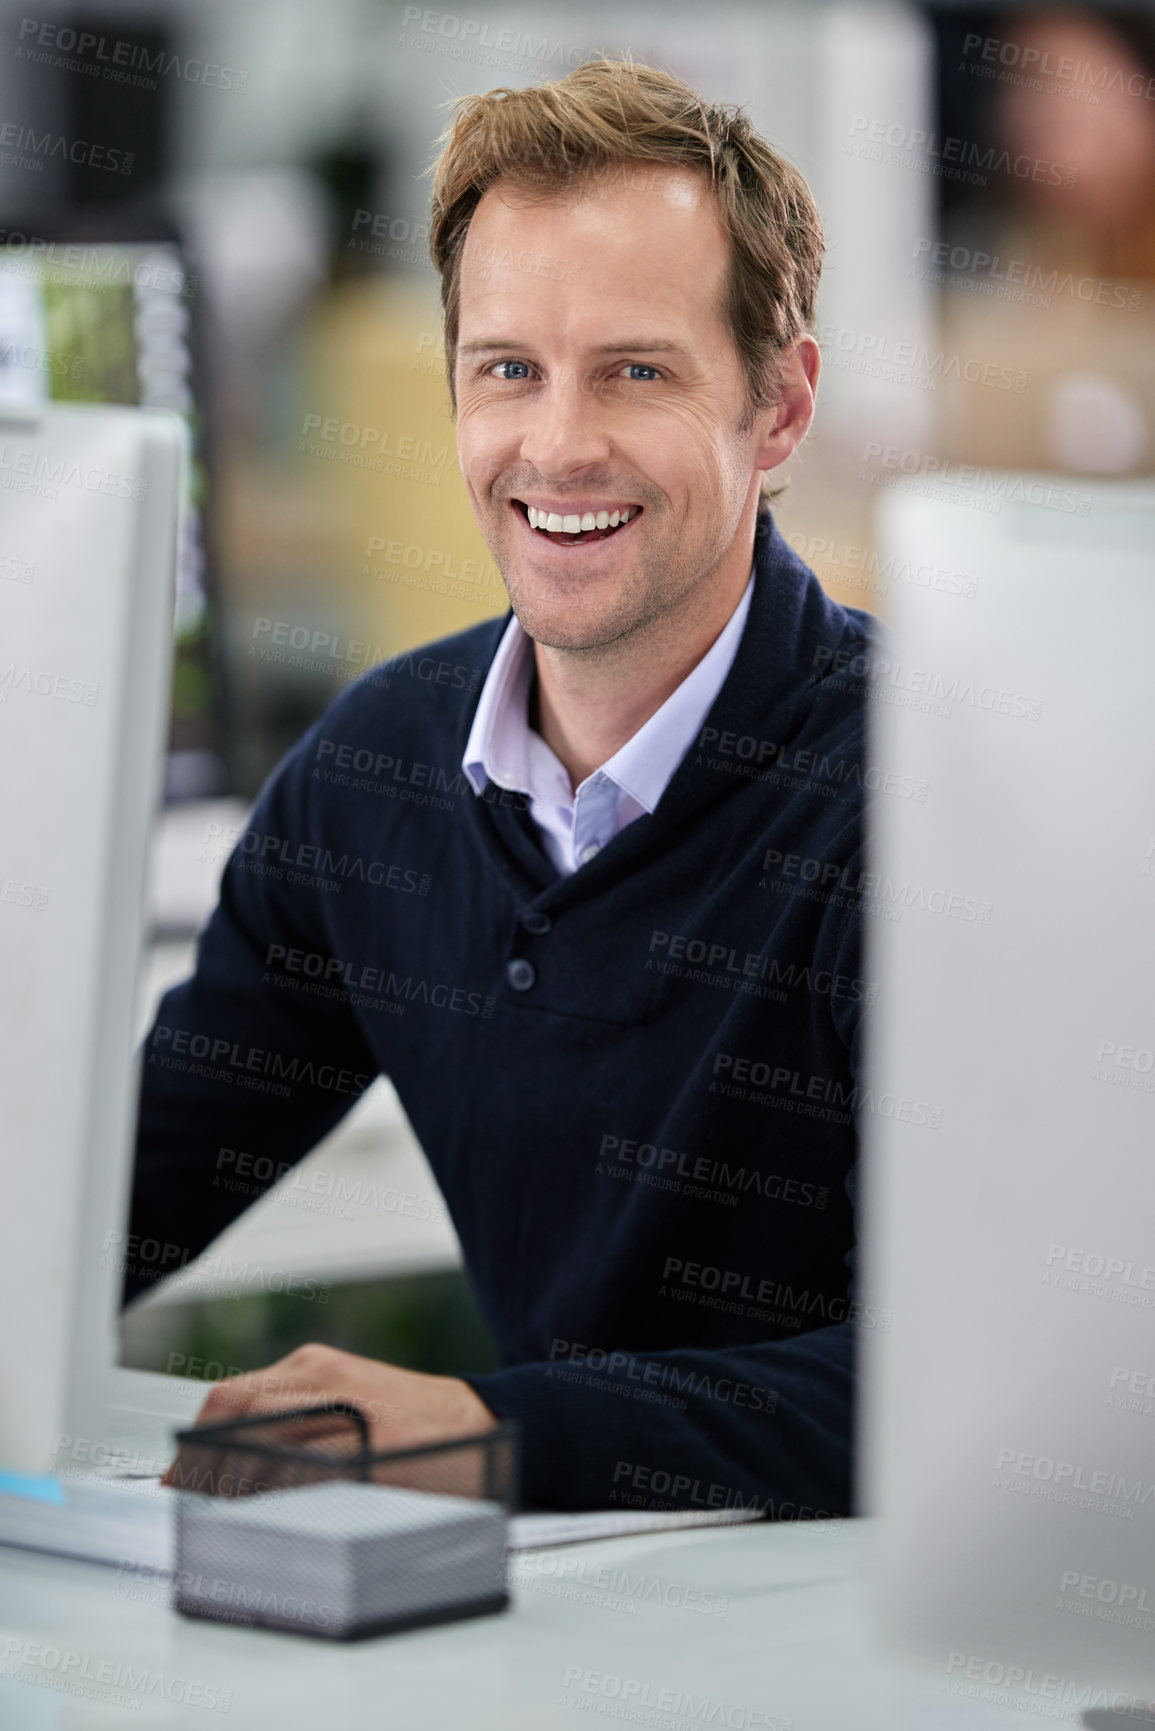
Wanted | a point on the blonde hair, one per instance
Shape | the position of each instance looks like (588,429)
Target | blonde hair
(604,115)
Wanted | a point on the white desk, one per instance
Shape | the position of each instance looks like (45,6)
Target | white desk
(794,1649)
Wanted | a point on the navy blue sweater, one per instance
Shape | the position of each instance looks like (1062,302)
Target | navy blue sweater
(636,1085)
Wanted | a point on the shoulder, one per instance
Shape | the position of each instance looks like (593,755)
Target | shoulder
(412,711)
(825,627)
(431,691)
(828,649)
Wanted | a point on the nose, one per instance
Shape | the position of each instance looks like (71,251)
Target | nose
(566,427)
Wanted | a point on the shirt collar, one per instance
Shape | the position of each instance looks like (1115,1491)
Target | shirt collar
(502,748)
(498,745)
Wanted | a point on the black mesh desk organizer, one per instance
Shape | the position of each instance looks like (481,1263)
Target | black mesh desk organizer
(289,1520)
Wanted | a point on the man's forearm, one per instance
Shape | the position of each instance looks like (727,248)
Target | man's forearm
(761,1426)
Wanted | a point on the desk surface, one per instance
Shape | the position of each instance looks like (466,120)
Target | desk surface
(760,1628)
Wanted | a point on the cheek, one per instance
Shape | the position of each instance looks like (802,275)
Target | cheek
(692,437)
(473,461)
(696,456)
(482,449)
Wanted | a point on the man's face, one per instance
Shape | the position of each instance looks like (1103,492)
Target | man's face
(595,373)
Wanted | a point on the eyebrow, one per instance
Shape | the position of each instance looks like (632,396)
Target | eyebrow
(491,346)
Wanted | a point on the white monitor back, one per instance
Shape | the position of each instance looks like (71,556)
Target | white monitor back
(1013,940)
(88,534)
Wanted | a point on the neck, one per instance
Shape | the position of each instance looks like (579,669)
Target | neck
(586,705)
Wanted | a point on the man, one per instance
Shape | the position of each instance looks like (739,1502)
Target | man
(616,985)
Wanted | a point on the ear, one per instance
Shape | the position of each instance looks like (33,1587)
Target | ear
(785,425)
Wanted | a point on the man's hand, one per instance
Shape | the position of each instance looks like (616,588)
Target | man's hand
(405,1408)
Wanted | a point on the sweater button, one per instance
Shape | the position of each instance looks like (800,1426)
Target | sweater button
(520,974)
(533,920)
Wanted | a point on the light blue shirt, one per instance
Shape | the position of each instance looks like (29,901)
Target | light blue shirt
(503,748)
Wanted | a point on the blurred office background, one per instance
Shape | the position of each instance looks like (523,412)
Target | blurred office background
(223,209)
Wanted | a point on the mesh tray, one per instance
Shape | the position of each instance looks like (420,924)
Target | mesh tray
(289,1520)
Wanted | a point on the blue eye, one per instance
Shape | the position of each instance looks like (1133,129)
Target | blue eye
(635,367)
(524,374)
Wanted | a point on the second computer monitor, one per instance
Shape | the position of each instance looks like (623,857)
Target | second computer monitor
(1009,1194)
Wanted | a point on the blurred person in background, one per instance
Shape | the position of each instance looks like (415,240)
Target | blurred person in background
(1057,279)
(584,881)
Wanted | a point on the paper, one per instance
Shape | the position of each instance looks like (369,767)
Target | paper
(111,1520)
(543,1532)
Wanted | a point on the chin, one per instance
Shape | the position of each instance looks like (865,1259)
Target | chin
(578,611)
(566,627)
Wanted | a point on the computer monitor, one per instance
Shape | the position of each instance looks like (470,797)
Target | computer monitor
(89,517)
(103,305)
(1009,1413)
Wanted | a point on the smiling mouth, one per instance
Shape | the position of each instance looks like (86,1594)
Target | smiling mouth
(561,537)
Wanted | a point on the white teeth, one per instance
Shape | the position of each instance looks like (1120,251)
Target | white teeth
(572,524)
